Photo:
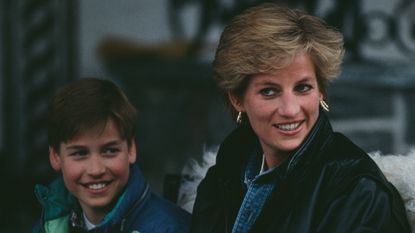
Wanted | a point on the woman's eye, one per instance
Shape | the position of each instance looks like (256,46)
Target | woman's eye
(303,87)
(267,92)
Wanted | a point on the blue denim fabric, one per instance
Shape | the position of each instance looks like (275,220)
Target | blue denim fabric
(260,186)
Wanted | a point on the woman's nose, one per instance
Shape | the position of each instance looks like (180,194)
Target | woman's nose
(288,106)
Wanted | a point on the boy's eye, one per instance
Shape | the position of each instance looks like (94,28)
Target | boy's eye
(303,87)
(79,153)
(267,92)
(110,151)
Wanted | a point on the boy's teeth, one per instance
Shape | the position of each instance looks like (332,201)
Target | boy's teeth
(96,186)
(289,126)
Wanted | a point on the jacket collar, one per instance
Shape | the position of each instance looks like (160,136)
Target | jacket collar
(242,142)
(313,144)
(136,193)
(55,199)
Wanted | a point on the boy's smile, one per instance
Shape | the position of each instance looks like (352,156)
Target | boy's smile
(95,168)
(97,187)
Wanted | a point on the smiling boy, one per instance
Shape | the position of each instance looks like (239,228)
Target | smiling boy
(91,141)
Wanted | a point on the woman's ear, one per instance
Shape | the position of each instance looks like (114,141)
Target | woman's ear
(54,159)
(323,95)
(132,151)
(236,102)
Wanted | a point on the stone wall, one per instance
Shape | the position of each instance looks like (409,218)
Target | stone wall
(373,104)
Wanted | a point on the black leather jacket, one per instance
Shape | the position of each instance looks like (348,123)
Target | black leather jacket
(330,185)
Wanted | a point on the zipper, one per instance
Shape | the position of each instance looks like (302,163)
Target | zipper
(139,201)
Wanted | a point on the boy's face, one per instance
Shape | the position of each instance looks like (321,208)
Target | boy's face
(95,167)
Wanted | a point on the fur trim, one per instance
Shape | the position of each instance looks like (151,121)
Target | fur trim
(400,171)
(192,174)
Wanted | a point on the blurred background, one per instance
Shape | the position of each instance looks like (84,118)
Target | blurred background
(160,53)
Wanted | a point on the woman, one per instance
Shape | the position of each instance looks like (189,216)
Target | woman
(284,169)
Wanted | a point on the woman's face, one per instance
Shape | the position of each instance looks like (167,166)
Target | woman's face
(282,107)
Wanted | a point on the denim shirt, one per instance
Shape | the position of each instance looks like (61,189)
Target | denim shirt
(260,185)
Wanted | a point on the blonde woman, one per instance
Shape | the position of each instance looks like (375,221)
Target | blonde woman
(283,169)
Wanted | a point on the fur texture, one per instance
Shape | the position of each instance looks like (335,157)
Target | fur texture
(192,173)
(398,169)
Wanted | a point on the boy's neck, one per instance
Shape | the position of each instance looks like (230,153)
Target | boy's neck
(88,224)
(95,215)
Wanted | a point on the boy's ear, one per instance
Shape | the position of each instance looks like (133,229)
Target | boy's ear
(236,102)
(54,159)
(132,152)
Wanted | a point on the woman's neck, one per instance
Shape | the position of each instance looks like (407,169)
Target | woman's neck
(275,159)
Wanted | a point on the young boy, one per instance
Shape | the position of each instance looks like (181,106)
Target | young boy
(91,141)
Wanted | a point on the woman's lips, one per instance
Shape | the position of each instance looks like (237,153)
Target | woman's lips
(290,128)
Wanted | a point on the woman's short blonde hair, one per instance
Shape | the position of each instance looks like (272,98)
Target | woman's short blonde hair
(266,38)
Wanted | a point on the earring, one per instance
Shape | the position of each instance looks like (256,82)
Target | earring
(324,105)
(239,118)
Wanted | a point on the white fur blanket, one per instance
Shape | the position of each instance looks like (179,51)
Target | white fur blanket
(192,173)
(398,169)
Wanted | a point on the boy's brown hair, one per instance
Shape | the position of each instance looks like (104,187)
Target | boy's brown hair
(89,103)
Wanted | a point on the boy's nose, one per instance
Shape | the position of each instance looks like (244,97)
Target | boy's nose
(95,166)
